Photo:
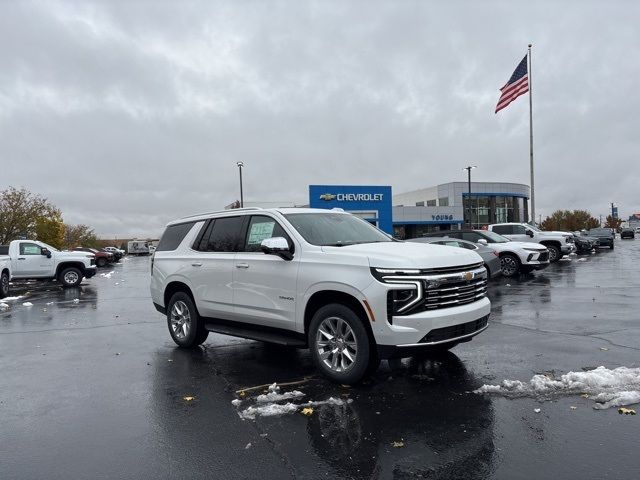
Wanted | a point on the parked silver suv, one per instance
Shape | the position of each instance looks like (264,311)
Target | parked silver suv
(322,279)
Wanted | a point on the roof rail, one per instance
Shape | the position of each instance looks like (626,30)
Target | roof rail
(222,211)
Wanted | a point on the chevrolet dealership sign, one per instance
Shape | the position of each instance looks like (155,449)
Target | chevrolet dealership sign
(352,197)
(369,202)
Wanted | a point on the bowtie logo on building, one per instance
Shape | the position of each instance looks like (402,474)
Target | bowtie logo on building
(327,197)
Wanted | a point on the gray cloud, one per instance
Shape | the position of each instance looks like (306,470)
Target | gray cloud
(128,114)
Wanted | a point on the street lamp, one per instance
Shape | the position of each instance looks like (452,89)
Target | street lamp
(468,169)
(240,165)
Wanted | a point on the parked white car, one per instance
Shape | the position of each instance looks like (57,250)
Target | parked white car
(321,279)
(559,244)
(515,257)
(31,259)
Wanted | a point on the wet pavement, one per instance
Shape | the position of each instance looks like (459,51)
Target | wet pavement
(93,387)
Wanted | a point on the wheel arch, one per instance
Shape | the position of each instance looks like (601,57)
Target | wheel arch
(174,287)
(79,265)
(321,298)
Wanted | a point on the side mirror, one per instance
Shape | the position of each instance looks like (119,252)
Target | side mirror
(46,252)
(529,232)
(482,241)
(277,246)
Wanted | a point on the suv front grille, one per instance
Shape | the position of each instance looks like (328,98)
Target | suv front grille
(543,257)
(453,294)
(446,270)
(455,331)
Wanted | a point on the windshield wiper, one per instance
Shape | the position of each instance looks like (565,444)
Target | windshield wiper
(338,244)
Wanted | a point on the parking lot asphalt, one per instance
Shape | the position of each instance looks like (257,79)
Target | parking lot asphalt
(91,386)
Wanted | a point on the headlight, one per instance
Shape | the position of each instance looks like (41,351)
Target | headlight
(403,293)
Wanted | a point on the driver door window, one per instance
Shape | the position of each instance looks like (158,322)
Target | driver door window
(30,249)
(260,228)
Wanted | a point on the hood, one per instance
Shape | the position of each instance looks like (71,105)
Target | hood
(556,233)
(408,255)
(68,254)
(537,246)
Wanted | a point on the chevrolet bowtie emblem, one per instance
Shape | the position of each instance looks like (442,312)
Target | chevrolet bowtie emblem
(327,197)
(467,276)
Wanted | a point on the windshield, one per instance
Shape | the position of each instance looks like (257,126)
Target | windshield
(492,237)
(335,229)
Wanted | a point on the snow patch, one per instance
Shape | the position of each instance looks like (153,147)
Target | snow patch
(236,402)
(275,409)
(609,388)
(107,275)
(27,304)
(11,299)
(274,395)
(76,300)
(4,306)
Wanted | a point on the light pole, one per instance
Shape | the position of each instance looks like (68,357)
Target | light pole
(240,165)
(468,169)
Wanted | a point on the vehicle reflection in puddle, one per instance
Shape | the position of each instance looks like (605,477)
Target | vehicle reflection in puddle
(425,404)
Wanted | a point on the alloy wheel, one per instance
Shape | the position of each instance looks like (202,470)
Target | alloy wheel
(336,344)
(509,266)
(180,320)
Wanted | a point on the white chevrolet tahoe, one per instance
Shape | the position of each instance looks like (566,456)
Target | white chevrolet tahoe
(35,260)
(319,279)
(559,244)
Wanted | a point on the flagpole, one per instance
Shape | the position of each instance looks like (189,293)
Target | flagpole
(533,195)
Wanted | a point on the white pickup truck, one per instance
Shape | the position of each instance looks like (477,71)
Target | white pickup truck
(5,275)
(559,244)
(31,259)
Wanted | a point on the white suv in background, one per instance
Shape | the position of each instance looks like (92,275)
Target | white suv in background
(558,243)
(322,279)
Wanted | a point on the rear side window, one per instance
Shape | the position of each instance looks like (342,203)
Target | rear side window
(503,229)
(173,236)
(518,229)
(223,235)
(261,228)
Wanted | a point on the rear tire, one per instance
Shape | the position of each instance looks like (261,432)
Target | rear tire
(339,344)
(70,277)
(510,265)
(4,285)
(101,262)
(186,327)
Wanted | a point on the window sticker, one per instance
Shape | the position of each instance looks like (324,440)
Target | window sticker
(260,231)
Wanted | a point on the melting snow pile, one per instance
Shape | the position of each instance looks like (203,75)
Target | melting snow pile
(27,304)
(266,405)
(609,388)
(107,275)
(4,306)
(11,299)
(274,395)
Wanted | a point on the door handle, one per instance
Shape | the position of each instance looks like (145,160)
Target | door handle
(21,258)
(242,265)
(196,264)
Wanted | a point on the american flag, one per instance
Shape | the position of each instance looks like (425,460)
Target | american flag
(516,86)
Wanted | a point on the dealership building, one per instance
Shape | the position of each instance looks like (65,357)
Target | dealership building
(442,207)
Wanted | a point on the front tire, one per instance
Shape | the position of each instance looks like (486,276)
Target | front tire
(510,265)
(185,325)
(339,343)
(101,262)
(4,285)
(554,253)
(70,277)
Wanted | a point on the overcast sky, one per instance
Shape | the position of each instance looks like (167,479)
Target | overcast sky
(129,114)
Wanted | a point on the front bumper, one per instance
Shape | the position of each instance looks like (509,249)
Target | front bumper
(567,248)
(404,331)
(90,271)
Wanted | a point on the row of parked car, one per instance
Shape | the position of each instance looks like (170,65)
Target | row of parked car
(512,248)
(35,260)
